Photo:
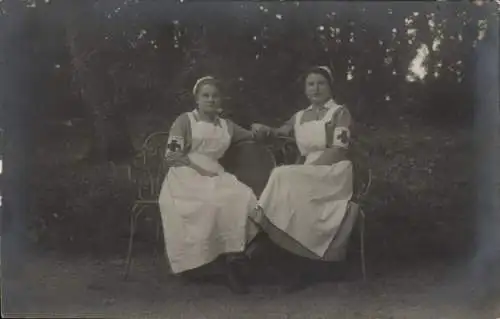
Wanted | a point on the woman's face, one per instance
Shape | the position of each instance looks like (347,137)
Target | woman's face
(208,99)
(317,89)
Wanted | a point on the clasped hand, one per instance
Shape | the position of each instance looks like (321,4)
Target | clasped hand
(177,159)
(260,130)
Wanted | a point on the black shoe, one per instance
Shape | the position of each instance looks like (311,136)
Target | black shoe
(296,284)
(236,284)
(235,278)
(299,276)
(255,248)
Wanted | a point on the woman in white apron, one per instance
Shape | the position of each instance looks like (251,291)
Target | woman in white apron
(303,208)
(204,209)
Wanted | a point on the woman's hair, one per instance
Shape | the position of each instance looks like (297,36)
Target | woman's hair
(322,70)
(202,81)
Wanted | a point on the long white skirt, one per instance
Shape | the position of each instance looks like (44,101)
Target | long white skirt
(307,209)
(204,217)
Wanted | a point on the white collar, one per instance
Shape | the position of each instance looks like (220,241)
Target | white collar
(217,119)
(328,105)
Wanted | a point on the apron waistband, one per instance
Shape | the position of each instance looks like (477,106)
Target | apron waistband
(206,162)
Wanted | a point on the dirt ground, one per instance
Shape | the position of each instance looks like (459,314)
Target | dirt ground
(47,285)
(421,232)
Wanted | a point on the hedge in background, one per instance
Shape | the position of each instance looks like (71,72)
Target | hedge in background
(80,207)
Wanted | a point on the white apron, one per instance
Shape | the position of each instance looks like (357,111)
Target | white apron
(307,203)
(202,216)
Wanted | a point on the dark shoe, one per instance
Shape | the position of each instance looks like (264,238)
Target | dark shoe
(298,274)
(260,252)
(255,248)
(235,265)
(236,284)
(296,284)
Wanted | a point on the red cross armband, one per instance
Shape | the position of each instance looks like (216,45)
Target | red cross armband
(341,137)
(174,144)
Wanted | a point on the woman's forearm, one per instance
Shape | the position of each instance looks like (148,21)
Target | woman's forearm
(331,156)
(241,134)
(283,131)
(200,170)
(275,131)
(248,136)
(184,161)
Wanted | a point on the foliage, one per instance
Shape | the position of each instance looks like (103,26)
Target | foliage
(80,207)
(117,62)
(138,56)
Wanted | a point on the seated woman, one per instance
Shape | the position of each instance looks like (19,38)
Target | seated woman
(204,209)
(303,206)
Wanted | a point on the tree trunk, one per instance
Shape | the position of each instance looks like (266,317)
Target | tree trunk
(110,140)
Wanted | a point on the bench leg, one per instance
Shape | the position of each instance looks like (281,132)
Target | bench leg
(362,243)
(133,220)
(158,228)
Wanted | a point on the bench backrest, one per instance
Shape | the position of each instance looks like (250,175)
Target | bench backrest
(251,163)
(149,166)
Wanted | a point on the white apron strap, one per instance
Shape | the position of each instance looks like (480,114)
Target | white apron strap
(192,119)
(298,117)
(223,124)
(328,116)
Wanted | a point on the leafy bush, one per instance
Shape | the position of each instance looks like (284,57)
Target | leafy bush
(80,207)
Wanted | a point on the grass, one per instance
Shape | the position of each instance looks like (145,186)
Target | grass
(421,199)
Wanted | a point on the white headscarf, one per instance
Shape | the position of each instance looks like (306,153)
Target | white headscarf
(200,81)
(327,70)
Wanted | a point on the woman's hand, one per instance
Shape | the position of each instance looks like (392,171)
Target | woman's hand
(176,159)
(331,156)
(204,172)
(261,130)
